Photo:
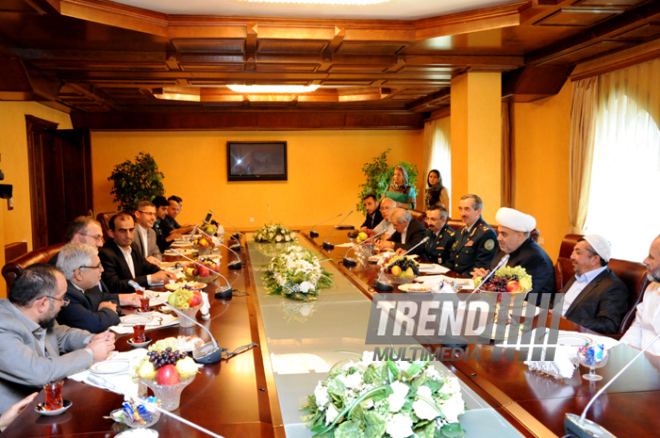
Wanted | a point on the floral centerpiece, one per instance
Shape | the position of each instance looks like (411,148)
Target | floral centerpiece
(274,233)
(507,279)
(386,399)
(296,273)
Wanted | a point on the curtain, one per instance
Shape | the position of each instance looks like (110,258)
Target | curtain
(626,159)
(581,155)
(437,151)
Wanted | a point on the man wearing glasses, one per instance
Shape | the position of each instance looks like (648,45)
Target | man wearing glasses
(34,349)
(89,308)
(83,229)
(145,236)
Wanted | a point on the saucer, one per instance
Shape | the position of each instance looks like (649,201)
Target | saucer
(141,313)
(41,409)
(138,344)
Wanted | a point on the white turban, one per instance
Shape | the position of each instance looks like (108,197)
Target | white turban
(515,220)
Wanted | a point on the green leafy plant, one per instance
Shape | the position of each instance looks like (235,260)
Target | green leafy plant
(379,176)
(136,181)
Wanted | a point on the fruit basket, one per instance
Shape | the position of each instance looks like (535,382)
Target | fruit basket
(204,274)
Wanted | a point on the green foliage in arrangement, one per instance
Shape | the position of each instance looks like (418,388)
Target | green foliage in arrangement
(136,181)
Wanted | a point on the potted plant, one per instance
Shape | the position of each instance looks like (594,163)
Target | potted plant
(379,176)
(136,181)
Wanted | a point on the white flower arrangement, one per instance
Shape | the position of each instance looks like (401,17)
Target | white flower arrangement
(296,273)
(274,233)
(386,399)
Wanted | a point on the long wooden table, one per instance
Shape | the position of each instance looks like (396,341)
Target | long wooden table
(535,403)
(238,397)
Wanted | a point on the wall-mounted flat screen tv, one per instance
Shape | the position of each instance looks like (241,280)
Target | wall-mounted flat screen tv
(256,161)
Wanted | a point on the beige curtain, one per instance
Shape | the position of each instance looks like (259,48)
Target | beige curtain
(437,152)
(582,147)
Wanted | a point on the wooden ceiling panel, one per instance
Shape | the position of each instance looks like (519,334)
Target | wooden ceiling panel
(578,17)
(288,68)
(17,6)
(291,46)
(208,67)
(209,45)
(619,3)
(586,53)
(358,68)
(429,68)
(103,66)
(370,47)
(641,33)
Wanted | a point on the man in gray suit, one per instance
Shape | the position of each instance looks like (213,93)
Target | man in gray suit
(145,236)
(34,350)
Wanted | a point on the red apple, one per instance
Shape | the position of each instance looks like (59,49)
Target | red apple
(167,375)
(204,272)
(196,299)
(513,286)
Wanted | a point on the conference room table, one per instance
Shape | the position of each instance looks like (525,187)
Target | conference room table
(258,392)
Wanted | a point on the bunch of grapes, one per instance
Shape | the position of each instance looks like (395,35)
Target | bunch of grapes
(165,357)
(405,263)
(498,284)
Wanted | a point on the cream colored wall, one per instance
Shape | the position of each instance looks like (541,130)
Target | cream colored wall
(325,170)
(541,141)
(16,224)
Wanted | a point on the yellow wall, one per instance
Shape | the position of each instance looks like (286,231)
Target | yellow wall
(541,144)
(16,224)
(325,170)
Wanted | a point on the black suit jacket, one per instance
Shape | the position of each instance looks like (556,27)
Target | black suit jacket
(601,305)
(116,273)
(472,250)
(83,310)
(416,232)
(372,219)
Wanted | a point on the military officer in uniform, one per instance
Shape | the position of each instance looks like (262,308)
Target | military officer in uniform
(514,228)
(441,236)
(476,244)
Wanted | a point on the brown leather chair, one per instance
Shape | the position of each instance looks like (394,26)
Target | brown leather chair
(634,277)
(13,268)
(104,220)
(419,215)
(563,266)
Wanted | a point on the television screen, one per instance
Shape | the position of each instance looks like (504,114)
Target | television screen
(256,161)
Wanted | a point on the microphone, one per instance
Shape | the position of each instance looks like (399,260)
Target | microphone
(502,262)
(379,285)
(352,262)
(192,234)
(213,355)
(224,293)
(583,428)
(236,236)
(313,234)
(329,246)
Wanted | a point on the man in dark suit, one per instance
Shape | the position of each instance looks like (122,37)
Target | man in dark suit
(83,229)
(476,244)
(595,297)
(513,237)
(441,236)
(145,235)
(122,262)
(89,308)
(374,216)
(408,232)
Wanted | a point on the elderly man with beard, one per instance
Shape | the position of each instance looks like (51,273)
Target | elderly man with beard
(513,236)
(34,350)
(595,297)
(647,320)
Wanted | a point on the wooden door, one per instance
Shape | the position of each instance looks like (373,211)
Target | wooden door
(60,179)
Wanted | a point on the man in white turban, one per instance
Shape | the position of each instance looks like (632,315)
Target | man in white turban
(513,236)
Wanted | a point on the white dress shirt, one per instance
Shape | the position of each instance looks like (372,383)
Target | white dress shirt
(647,321)
(129,262)
(581,281)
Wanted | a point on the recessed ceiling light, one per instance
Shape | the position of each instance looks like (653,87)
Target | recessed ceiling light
(323,2)
(273,89)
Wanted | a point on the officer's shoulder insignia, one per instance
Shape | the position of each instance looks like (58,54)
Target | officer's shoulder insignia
(453,247)
(489,245)
(451,233)
(485,227)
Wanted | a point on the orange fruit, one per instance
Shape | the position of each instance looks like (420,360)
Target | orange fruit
(396,270)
